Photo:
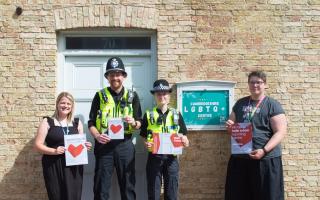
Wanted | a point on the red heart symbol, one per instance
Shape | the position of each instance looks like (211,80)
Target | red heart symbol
(241,133)
(115,128)
(75,151)
(176,140)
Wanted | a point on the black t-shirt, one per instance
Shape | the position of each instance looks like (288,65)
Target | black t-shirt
(144,131)
(261,120)
(95,106)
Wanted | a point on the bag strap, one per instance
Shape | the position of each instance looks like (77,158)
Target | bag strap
(104,95)
(75,123)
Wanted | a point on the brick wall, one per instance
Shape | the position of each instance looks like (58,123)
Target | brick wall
(196,40)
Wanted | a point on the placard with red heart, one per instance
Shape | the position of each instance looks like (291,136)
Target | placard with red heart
(166,143)
(242,133)
(76,151)
(116,128)
(241,138)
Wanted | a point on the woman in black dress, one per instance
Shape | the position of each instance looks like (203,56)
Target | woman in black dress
(62,182)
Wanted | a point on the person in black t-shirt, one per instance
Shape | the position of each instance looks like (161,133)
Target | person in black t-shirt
(259,174)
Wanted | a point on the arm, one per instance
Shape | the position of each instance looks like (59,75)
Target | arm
(184,131)
(182,125)
(40,140)
(279,128)
(80,130)
(95,106)
(144,125)
(144,133)
(80,127)
(101,138)
(231,121)
(137,113)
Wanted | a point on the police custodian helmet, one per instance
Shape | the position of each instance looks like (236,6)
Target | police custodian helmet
(161,85)
(115,64)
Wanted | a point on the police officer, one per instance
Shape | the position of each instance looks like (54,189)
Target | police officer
(114,102)
(162,119)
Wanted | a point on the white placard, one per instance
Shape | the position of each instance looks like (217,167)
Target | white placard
(241,138)
(115,128)
(76,152)
(165,143)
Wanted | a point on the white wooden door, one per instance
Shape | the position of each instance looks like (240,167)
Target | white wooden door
(83,77)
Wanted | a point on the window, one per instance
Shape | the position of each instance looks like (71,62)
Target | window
(108,43)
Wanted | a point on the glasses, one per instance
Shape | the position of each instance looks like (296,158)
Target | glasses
(256,82)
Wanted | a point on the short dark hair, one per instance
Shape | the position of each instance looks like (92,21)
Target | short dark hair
(259,74)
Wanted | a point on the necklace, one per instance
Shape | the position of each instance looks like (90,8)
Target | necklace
(64,132)
(252,111)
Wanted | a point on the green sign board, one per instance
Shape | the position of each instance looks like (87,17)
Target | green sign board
(205,107)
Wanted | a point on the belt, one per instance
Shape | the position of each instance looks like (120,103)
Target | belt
(127,136)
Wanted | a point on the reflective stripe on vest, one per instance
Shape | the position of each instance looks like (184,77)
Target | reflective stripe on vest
(169,127)
(108,110)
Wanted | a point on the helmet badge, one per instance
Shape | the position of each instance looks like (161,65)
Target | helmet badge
(114,63)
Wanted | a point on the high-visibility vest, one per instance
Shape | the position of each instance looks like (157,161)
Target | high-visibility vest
(172,122)
(108,110)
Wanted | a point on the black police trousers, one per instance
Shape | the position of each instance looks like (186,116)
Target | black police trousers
(166,167)
(121,155)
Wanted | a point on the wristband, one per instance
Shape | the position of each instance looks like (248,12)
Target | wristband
(264,150)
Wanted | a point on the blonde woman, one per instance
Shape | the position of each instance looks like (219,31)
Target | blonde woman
(62,182)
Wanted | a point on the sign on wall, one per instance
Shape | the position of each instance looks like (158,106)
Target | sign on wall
(205,105)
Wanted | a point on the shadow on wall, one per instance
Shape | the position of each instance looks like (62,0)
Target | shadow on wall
(23,179)
(87,187)
(22,169)
(203,165)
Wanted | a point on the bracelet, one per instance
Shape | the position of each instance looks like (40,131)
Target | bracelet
(264,150)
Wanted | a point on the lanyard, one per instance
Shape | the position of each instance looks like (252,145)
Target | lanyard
(251,113)
(64,132)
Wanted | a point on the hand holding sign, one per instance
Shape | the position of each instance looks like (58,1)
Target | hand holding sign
(184,140)
(103,138)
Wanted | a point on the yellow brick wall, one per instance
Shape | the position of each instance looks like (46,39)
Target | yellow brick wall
(196,40)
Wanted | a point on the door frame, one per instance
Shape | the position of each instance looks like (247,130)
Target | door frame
(62,52)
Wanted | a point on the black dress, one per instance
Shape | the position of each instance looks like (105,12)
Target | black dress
(62,182)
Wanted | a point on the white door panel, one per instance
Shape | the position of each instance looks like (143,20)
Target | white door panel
(83,77)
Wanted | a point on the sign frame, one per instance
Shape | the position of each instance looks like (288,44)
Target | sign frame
(209,85)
